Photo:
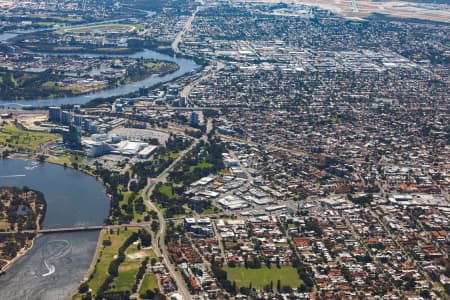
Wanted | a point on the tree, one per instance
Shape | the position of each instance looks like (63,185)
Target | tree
(153,261)
(155,226)
(425,294)
(146,238)
(83,288)
(148,295)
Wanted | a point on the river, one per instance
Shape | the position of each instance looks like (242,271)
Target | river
(55,265)
(185,66)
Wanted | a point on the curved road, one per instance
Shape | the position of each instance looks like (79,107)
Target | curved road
(158,240)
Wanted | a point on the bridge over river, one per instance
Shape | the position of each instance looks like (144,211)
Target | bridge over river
(80,228)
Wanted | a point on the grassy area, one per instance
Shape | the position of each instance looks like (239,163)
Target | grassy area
(166,189)
(98,28)
(126,197)
(13,80)
(128,270)
(69,159)
(106,255)
(150,282)
(263,276)
(137,215)
(127,275)
(27,85)
(201,165)
(230,245)
(210,210)
(134,197)
(48,85)
(168,155)
(47,24)
(18,139)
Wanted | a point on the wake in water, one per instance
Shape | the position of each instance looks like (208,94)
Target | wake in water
(13,176)
(32,166)
(51,269)
(53,251)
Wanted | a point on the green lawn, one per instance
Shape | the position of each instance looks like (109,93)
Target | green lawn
(260,277)
(127,272)
(126,197)
(69,159)
(210,210)
(137,215)
(106,255)
(96,28)
(166,189)
(127,276)
(150,282)
(169,154)
(201,165)
(47,24)
(13,80)
(230,245)
(18,139)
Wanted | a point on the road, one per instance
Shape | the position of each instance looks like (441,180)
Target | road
(358,238)
(207,73)
(158,240)
(185,29)
(405,251)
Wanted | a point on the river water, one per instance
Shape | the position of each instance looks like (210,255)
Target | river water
(56,264)
(185,66)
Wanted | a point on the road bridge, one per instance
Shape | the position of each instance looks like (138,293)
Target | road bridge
(79,228)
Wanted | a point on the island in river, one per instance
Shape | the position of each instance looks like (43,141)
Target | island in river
(21,209)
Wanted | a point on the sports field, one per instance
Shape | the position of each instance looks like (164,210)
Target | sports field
(259,278)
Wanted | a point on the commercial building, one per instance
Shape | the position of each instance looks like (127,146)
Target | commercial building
(54,114)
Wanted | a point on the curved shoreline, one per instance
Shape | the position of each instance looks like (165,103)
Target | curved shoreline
(19,255)
(185,66)
(25,249)
(22,252)
(168,68)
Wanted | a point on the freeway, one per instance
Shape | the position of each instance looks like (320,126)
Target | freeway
(208,72)
(185,29)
